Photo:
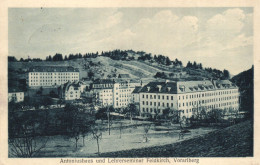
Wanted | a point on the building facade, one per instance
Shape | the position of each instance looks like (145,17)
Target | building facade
(51,76)
(116,93)
(103,92)
(188,97)
(70,91)
(16,96)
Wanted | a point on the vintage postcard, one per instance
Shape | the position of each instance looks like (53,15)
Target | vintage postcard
(117,82)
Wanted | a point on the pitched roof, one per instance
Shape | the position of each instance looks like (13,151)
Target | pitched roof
(186,86)
(137,89)
(67,85)
(103,81)
(53,69)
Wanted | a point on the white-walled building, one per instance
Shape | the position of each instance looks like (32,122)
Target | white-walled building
(51,76)
(115,92)
(15,95)
(188,96)
(135,96)
(70,91)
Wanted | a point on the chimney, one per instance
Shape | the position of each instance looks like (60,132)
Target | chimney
(148,89)
(169,89)
(160,87)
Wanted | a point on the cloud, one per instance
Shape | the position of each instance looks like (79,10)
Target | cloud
(112,20)
(230,21)
(190,36)
(239,41)
(165,31)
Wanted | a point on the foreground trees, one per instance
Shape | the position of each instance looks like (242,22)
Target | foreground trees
(97,135)
(131,111)
(28,143)
(77,123)
(23,136)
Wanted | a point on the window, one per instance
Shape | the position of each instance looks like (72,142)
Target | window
(171,97)
(163,97)
(154,96)
(167,97)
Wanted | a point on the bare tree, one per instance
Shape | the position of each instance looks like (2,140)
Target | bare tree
(146,130)
(97,134)
(76,122)
(28,144)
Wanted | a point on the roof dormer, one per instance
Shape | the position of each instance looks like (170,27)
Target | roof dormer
(159,87)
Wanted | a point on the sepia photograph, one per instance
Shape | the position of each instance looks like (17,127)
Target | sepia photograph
(131,82)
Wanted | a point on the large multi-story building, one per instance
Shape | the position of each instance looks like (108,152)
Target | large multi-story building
(115,92)
(103,91)
(51,76)
(188,96)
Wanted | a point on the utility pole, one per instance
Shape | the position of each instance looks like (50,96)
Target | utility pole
(108,119)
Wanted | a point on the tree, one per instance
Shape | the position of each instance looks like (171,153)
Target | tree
(50,58)
(131,111)
(166,113)
(109,118)
(226,75)
(46,102)
(97,135)
(146,130)
(11,59)
(91,74)
(22,135)
(101,114)
(70,122)
(215,115)
(189,64)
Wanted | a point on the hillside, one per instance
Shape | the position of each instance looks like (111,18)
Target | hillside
(108,67)
(245,82)
(233,141)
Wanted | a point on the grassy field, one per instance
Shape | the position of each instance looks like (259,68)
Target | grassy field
(234,141)
(131,138)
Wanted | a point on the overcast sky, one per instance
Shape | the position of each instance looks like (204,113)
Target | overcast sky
(217,37)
